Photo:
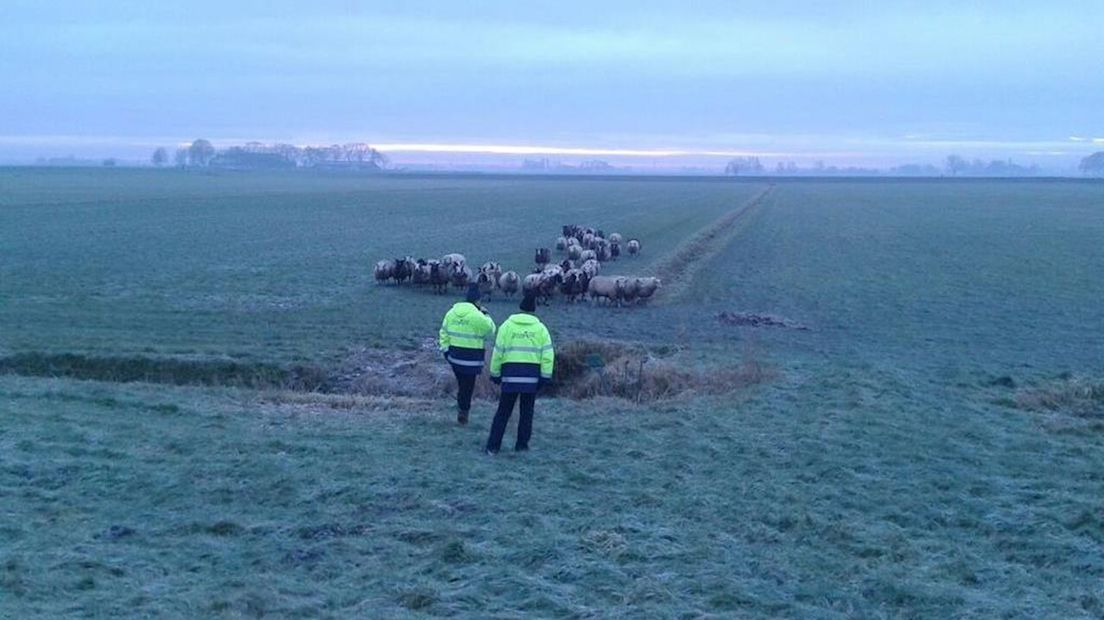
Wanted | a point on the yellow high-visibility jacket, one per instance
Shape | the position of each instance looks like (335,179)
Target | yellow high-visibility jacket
(463,332)
(523,355)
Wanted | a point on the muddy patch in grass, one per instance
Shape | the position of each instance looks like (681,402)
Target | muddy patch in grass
(419,372)
(754,319)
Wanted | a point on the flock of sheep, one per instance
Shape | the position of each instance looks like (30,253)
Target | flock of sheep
(574,277)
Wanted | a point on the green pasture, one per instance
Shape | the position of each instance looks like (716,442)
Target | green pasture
(931,446)
(277,268)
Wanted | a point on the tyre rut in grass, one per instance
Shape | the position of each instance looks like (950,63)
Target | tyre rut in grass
(682,265)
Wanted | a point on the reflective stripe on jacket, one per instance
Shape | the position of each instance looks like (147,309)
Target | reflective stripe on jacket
(523,354)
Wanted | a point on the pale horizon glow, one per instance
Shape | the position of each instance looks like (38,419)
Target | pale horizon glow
(870,152)
(513,149)
(849,82)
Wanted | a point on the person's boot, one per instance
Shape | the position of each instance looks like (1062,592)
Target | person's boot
(462,417)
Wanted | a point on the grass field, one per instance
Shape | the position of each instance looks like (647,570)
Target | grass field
(930,447)
(279,268)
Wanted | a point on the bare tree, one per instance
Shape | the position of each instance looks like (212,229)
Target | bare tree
(378,159)
(181,157)
(955,165)
(200,152)
(744,165)
(314,155)
(159,157)
(364,155)
(289,152)
(1093,165)
(357,151)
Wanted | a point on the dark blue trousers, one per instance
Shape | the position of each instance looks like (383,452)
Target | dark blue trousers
(525,423)
(465,385)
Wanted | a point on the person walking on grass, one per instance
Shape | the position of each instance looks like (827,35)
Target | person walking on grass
(521,363)
(464,330)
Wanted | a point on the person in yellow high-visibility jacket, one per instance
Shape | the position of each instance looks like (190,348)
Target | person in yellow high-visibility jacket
(463,331)
(521,363)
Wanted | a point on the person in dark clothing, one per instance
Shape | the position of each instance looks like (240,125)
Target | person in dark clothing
(465,387)
(522,361)
(463,331)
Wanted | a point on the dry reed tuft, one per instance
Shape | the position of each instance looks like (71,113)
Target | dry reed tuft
(590,369)
(1078,396)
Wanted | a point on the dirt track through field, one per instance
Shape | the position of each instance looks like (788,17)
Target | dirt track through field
(682,265)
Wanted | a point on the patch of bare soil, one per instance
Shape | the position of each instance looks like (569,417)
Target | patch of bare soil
(752,319)
(419,373)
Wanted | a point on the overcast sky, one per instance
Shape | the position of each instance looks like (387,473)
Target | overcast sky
(854,82)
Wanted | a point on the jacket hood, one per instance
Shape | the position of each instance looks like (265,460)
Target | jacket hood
(464,308)
(523,318)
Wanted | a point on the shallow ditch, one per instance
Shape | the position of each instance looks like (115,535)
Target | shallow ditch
(584,369)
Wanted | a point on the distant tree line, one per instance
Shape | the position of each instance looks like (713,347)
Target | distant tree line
(915,170)
(956,166)
(256,155)
(744,165)
(754,166)
(545,165)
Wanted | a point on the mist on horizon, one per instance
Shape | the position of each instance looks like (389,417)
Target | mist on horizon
(651,84)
